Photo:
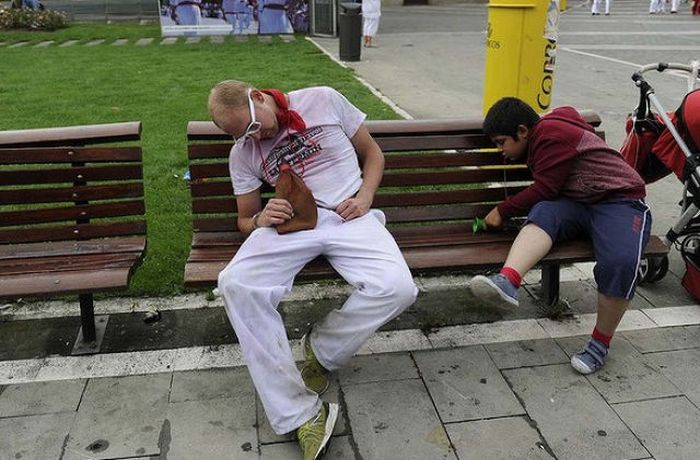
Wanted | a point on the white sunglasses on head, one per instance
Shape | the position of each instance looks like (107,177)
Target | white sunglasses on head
(254,125)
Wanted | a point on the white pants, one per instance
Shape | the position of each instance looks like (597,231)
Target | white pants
(370,25)
(657,6)
(363,252)
(595,9)
(188,15)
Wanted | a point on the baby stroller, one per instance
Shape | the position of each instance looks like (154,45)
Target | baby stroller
(660,143)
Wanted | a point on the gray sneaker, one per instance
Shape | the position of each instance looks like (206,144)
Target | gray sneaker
(495,291)
(591,358)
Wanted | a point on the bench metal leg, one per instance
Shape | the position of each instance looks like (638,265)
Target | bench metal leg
(550,284)
(92,329)
(87,317)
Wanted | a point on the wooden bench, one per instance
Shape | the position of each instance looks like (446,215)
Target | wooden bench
(71,215)
(439,175)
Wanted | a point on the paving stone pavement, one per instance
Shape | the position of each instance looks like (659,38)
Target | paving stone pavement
(216,40)
(516,399)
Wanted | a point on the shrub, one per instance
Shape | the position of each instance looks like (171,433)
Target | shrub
(33,20)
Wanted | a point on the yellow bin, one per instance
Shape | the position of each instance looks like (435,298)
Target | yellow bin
(521,51)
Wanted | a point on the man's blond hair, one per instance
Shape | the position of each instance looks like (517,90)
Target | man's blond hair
(225,96)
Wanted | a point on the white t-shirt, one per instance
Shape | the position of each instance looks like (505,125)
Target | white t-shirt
(322,155)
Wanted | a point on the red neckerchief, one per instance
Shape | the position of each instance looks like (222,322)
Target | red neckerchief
(286,117)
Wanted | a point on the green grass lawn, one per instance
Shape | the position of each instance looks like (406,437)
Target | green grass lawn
(164,87)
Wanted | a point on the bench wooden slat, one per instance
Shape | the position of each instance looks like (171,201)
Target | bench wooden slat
(72,248)
(400,178)
(77,282)
(442,160)
(204,265)
(71,194)
(58,264)
(383,200)
(89,211)
(69,155)
(438,142)
(209,151)
(83,174)
(407,179)
(220,224)
(72,135)
(73,232)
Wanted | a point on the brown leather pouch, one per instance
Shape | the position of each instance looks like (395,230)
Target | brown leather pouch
(293,189)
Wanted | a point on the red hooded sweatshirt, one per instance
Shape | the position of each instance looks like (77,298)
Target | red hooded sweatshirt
(568,160)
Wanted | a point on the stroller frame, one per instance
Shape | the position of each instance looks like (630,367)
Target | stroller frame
(648,100)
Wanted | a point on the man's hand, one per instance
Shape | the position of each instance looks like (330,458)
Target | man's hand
(493,219)
(353,208)
(277,211)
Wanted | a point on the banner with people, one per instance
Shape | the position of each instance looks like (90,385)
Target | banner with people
(233,17)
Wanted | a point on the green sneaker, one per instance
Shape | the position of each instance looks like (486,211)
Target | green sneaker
(314,436)
(314,375)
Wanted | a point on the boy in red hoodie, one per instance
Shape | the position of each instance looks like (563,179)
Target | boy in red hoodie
(582,189)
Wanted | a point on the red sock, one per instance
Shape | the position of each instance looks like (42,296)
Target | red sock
(600,337)
(512,275)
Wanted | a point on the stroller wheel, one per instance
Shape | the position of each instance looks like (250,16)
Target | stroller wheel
(652,269)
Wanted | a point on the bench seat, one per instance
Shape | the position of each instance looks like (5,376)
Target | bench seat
(439,175)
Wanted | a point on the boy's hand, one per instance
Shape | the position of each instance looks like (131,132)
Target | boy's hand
(277,211)
(493,219)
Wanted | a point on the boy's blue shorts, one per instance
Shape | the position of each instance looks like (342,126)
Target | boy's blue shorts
(619,231)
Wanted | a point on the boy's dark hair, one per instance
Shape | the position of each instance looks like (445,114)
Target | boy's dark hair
(504,117)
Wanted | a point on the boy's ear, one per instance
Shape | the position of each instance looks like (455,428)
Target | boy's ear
(523,132)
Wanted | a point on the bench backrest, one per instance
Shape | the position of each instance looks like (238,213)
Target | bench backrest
(436,171)
(60,184)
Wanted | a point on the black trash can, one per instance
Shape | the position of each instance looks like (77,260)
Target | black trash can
(350,25)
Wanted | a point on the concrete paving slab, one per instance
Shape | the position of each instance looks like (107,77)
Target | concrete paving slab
(120,42)
(216,39)
(144,41)
(584,323)
(168,41)
(391,341)
(675,316)
(668,428)
(192,40)
(502,438)
(667,292)
(19,371)
(466,385)
(120,417)
(287,38)
(526,353)
(241,39)
(682,368)
(470,334)
(68,43)
(378,368)
(212,384)
(96,42)
(41,398)
(212,429)
(333,394)
(34,437)
(341,447)
(627,375)
(664,339)
(44,44)
(18,45)
(384,426)
(265,39)
(570,414)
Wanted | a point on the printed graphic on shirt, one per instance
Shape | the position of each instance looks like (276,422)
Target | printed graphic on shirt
(299,152)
